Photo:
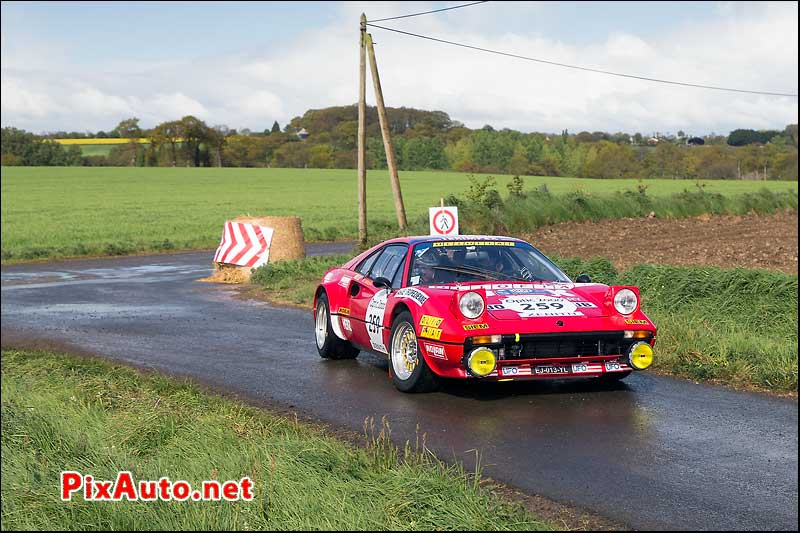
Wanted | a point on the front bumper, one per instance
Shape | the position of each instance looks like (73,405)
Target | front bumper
(538,356)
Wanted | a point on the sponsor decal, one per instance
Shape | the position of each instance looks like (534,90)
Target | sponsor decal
(472,327)
(432,321)
(435,350)
(520,292)
(431,333)
(344,311)
(345,281)
(613,366)
(413,294)
(637,322)
(520,370)
(536,306)
(584,304)
(583,368)
(495,307)
(374,320)
(474,243)
(346,325)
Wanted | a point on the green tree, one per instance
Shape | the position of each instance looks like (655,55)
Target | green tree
(423,152)
(666,161)
(518,164)
(291,154)
(167,134)
(276,128)
(320,156)
(612,161)
(129,129)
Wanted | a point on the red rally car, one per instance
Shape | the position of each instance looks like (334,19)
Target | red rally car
(478,307)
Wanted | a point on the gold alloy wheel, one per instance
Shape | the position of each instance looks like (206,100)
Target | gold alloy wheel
(404,351)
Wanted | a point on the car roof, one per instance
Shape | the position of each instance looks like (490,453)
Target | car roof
(458,238)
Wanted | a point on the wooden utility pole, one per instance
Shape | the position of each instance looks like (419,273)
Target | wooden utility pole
(387,140)
(362,136)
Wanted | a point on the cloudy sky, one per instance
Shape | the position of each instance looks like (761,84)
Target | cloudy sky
(87,65)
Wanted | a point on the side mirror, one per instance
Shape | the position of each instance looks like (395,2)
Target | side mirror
(583,278)
(382,283)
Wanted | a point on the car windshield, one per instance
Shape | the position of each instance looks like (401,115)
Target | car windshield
(435,263)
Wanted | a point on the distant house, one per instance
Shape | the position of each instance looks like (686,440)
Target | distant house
(303,134)
(652,141)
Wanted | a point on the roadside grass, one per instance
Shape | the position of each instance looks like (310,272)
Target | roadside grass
(53,212)
(736,326)
(69,413)
(294,282)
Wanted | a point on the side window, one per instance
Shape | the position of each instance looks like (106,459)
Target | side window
(397,280)
(387,264)
(366,264)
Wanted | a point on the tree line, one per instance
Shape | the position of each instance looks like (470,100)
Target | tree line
(425,140)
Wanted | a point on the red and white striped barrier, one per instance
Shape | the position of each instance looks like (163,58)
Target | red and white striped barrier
(244,245)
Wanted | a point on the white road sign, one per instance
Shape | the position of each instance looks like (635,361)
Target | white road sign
(444,220)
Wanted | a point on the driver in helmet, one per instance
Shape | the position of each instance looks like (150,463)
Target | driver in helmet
(426,267)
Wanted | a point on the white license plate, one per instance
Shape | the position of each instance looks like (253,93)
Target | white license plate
(551,370)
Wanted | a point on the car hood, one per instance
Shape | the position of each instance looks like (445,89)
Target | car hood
(527,301)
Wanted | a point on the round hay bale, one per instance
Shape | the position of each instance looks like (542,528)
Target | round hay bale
(288,242)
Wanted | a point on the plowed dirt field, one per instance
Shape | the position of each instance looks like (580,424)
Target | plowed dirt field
(750,241)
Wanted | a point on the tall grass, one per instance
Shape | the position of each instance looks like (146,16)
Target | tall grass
(64,413)
(733,325)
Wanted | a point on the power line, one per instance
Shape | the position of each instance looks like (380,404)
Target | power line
(577,67)
(427,12)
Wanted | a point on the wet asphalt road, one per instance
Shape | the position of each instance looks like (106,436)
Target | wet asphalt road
(651,453)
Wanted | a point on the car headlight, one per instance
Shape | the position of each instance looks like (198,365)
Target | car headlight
(625,301)
(471,305)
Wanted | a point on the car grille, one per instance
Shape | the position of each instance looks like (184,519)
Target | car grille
(546,346)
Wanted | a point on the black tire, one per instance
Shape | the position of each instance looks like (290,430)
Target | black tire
(418,379)
(328,344)
(610,377)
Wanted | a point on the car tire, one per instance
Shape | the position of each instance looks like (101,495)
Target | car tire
(328,344)
(610,377)
(406,375)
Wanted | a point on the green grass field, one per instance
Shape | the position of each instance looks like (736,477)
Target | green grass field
(72,211)
(95,149)
(67,413)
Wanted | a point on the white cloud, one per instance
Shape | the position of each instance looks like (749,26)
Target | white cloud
(751,46)
(174,106)
(21,100)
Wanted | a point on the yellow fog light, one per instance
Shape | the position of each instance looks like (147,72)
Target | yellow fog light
(481,362)
(640,356)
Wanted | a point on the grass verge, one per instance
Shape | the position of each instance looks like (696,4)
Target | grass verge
(68,413)
(734,326)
